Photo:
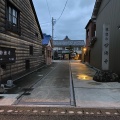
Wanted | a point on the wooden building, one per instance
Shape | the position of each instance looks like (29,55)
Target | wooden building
(105,53)
(90,40)
(20,38)
(47,43)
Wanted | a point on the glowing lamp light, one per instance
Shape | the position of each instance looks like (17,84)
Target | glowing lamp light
(84,49)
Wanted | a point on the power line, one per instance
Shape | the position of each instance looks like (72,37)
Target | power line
(63,10)
(48,9)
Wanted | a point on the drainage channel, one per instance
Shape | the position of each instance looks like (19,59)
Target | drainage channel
(72,93)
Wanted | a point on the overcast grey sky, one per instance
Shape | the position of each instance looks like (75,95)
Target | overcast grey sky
(72,22)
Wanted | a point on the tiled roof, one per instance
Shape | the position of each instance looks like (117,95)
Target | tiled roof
(68,43)
(96,8)
(46,39)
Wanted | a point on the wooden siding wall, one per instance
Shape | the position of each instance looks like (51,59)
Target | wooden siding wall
(108,14)
(21,42)
(91,28)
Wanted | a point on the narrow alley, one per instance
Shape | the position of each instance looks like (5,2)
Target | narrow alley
(53,89)
(52,93)
(66,83)
(59,60)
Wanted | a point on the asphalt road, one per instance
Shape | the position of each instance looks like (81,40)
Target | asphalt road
(51,86)
(30,80)
(53,89)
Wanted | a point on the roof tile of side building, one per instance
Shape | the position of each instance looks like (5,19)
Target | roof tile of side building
(96,8)
(46,39)
(68,42)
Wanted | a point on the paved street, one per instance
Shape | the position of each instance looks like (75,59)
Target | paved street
(31,79)
(92,94)
(53,88)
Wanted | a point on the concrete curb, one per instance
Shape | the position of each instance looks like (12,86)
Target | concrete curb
(72,92)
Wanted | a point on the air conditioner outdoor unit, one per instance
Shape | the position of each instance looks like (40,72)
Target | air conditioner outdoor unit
(9,83)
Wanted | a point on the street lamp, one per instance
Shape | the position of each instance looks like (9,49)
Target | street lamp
(84,49)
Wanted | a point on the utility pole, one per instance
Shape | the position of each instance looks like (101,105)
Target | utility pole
(53,23)
(52,28)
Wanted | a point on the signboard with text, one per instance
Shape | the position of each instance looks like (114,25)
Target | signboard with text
(105,47)
(7,55)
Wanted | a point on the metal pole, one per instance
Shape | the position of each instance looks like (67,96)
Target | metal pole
(53,23)
(52,27)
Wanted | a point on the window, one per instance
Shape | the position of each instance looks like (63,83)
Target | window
(13,18)
(12,15)
(31,50)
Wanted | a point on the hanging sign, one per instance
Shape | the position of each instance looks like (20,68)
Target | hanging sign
(105,47)
(7,55)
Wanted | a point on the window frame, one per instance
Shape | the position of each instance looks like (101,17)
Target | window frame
(12,14)
(11,25)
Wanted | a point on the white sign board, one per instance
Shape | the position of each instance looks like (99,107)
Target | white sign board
(105,47)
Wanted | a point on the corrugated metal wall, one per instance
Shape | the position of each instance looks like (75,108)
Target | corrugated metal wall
(109,13)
